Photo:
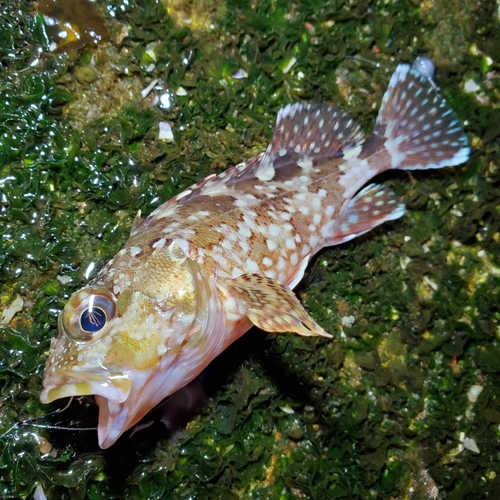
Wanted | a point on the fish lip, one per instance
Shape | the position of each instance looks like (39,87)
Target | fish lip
(114,386)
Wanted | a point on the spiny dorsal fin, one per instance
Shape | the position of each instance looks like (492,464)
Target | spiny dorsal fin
(420,129)
(136,223)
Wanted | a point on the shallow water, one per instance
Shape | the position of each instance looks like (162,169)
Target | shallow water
(386,410)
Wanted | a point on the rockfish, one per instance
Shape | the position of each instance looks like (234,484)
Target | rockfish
(226,253)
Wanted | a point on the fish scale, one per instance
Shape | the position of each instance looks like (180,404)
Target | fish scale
(226,253)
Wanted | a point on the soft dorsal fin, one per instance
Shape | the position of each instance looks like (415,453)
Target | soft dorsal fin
(314,130)
(305,132)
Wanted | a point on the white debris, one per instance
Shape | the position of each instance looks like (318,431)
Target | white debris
(181,91)
(431,283)
(347,321)
(424,66)
(287,410)
(404,261)
(473,393)
(471,86)
(166,133)
(63,279)
(39,493)
(166,100)
(240,74)
(11,310)
(149,88)
(470,444)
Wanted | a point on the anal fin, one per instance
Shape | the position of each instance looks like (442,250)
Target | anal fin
(272,306)
(372,206)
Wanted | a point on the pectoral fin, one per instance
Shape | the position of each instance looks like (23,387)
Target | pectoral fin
(272,306)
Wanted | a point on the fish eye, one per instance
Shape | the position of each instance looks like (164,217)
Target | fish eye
(93,319)
(88,314)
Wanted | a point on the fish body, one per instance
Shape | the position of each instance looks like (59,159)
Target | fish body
(225,254)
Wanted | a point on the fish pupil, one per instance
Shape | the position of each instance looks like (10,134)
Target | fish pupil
(93,320)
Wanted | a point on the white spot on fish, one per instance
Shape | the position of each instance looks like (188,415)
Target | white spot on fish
(265,172)
(252,266)
(244,246)
(241,203)
(267,262)
(306,163)
(134,251)
(352,153)
(236,272)
(329,210)
(314,240)
(160,243)
(271,245)
(274,230)
(243,230)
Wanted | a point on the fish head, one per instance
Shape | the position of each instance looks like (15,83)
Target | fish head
(133,338)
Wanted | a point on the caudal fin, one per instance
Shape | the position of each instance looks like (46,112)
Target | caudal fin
(419,128)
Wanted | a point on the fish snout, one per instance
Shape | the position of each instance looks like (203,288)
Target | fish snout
(115,387)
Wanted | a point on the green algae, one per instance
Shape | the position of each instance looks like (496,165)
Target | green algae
(382,411)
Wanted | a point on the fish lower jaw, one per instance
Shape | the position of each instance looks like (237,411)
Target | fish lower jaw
(113,421)
(115,387)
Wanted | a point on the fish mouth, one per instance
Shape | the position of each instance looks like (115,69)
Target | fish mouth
(115,387)
(114,420)
(119,409)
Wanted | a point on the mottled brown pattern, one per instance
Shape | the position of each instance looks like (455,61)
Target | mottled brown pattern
(225,253)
